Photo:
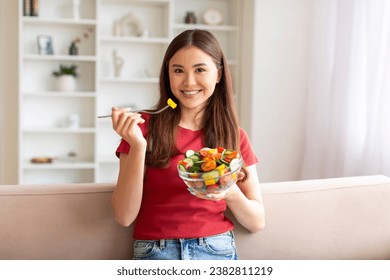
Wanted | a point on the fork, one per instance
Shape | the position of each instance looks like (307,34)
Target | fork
(170,104)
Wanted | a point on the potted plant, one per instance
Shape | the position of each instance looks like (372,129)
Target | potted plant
(66,77)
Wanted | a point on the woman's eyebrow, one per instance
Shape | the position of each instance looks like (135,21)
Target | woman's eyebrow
(195,65)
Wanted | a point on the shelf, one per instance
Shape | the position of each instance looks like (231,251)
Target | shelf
(59,165)
(56,94)
(60,21)
(58,57)
(128,39)
(60,130)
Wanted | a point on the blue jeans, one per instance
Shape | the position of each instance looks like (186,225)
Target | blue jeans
(215,247)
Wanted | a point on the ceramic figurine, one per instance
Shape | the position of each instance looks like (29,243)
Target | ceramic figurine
(118,64)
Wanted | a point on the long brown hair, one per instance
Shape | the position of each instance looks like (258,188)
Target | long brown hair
(220,122)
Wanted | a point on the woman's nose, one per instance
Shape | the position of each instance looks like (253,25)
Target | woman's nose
(189,79)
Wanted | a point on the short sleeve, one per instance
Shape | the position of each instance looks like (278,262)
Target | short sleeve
(246,149)
(124,147)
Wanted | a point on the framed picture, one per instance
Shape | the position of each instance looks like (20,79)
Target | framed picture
(45,45)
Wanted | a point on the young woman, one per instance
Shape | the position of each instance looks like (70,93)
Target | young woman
(170,221)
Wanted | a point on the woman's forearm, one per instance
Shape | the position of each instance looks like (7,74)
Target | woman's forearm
(248,212)
(127,196)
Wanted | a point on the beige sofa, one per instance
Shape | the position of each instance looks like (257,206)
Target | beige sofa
(341,218)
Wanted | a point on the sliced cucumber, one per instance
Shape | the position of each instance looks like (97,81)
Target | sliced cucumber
(189,153)
(195,158)
(182,168)
(190,161)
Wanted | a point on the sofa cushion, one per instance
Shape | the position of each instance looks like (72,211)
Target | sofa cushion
(339,218)
(72,221)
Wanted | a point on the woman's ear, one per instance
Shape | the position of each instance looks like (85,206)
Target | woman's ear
(219,75)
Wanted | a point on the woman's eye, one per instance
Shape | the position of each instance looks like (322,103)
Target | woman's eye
(178,71)
(200,70)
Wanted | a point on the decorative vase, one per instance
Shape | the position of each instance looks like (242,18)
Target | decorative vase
(66,83)
(73,49)
(190,18)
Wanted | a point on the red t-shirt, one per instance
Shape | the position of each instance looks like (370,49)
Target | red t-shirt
(168,210)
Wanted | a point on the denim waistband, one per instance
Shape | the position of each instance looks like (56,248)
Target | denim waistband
(162,242)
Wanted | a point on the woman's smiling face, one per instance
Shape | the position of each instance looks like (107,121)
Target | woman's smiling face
(193,76)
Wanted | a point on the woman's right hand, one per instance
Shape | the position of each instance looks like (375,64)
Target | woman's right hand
(126,123)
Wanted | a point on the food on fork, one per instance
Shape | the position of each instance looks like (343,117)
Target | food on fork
(170,103)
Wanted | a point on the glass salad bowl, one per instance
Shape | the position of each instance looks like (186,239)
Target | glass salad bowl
(210,170)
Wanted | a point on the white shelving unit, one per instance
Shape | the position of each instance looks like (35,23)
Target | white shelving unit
(44,110)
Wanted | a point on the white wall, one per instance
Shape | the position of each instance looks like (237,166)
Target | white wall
(8,92)
(279,87)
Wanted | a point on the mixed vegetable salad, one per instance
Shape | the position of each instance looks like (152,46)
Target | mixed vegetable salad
(215,167)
